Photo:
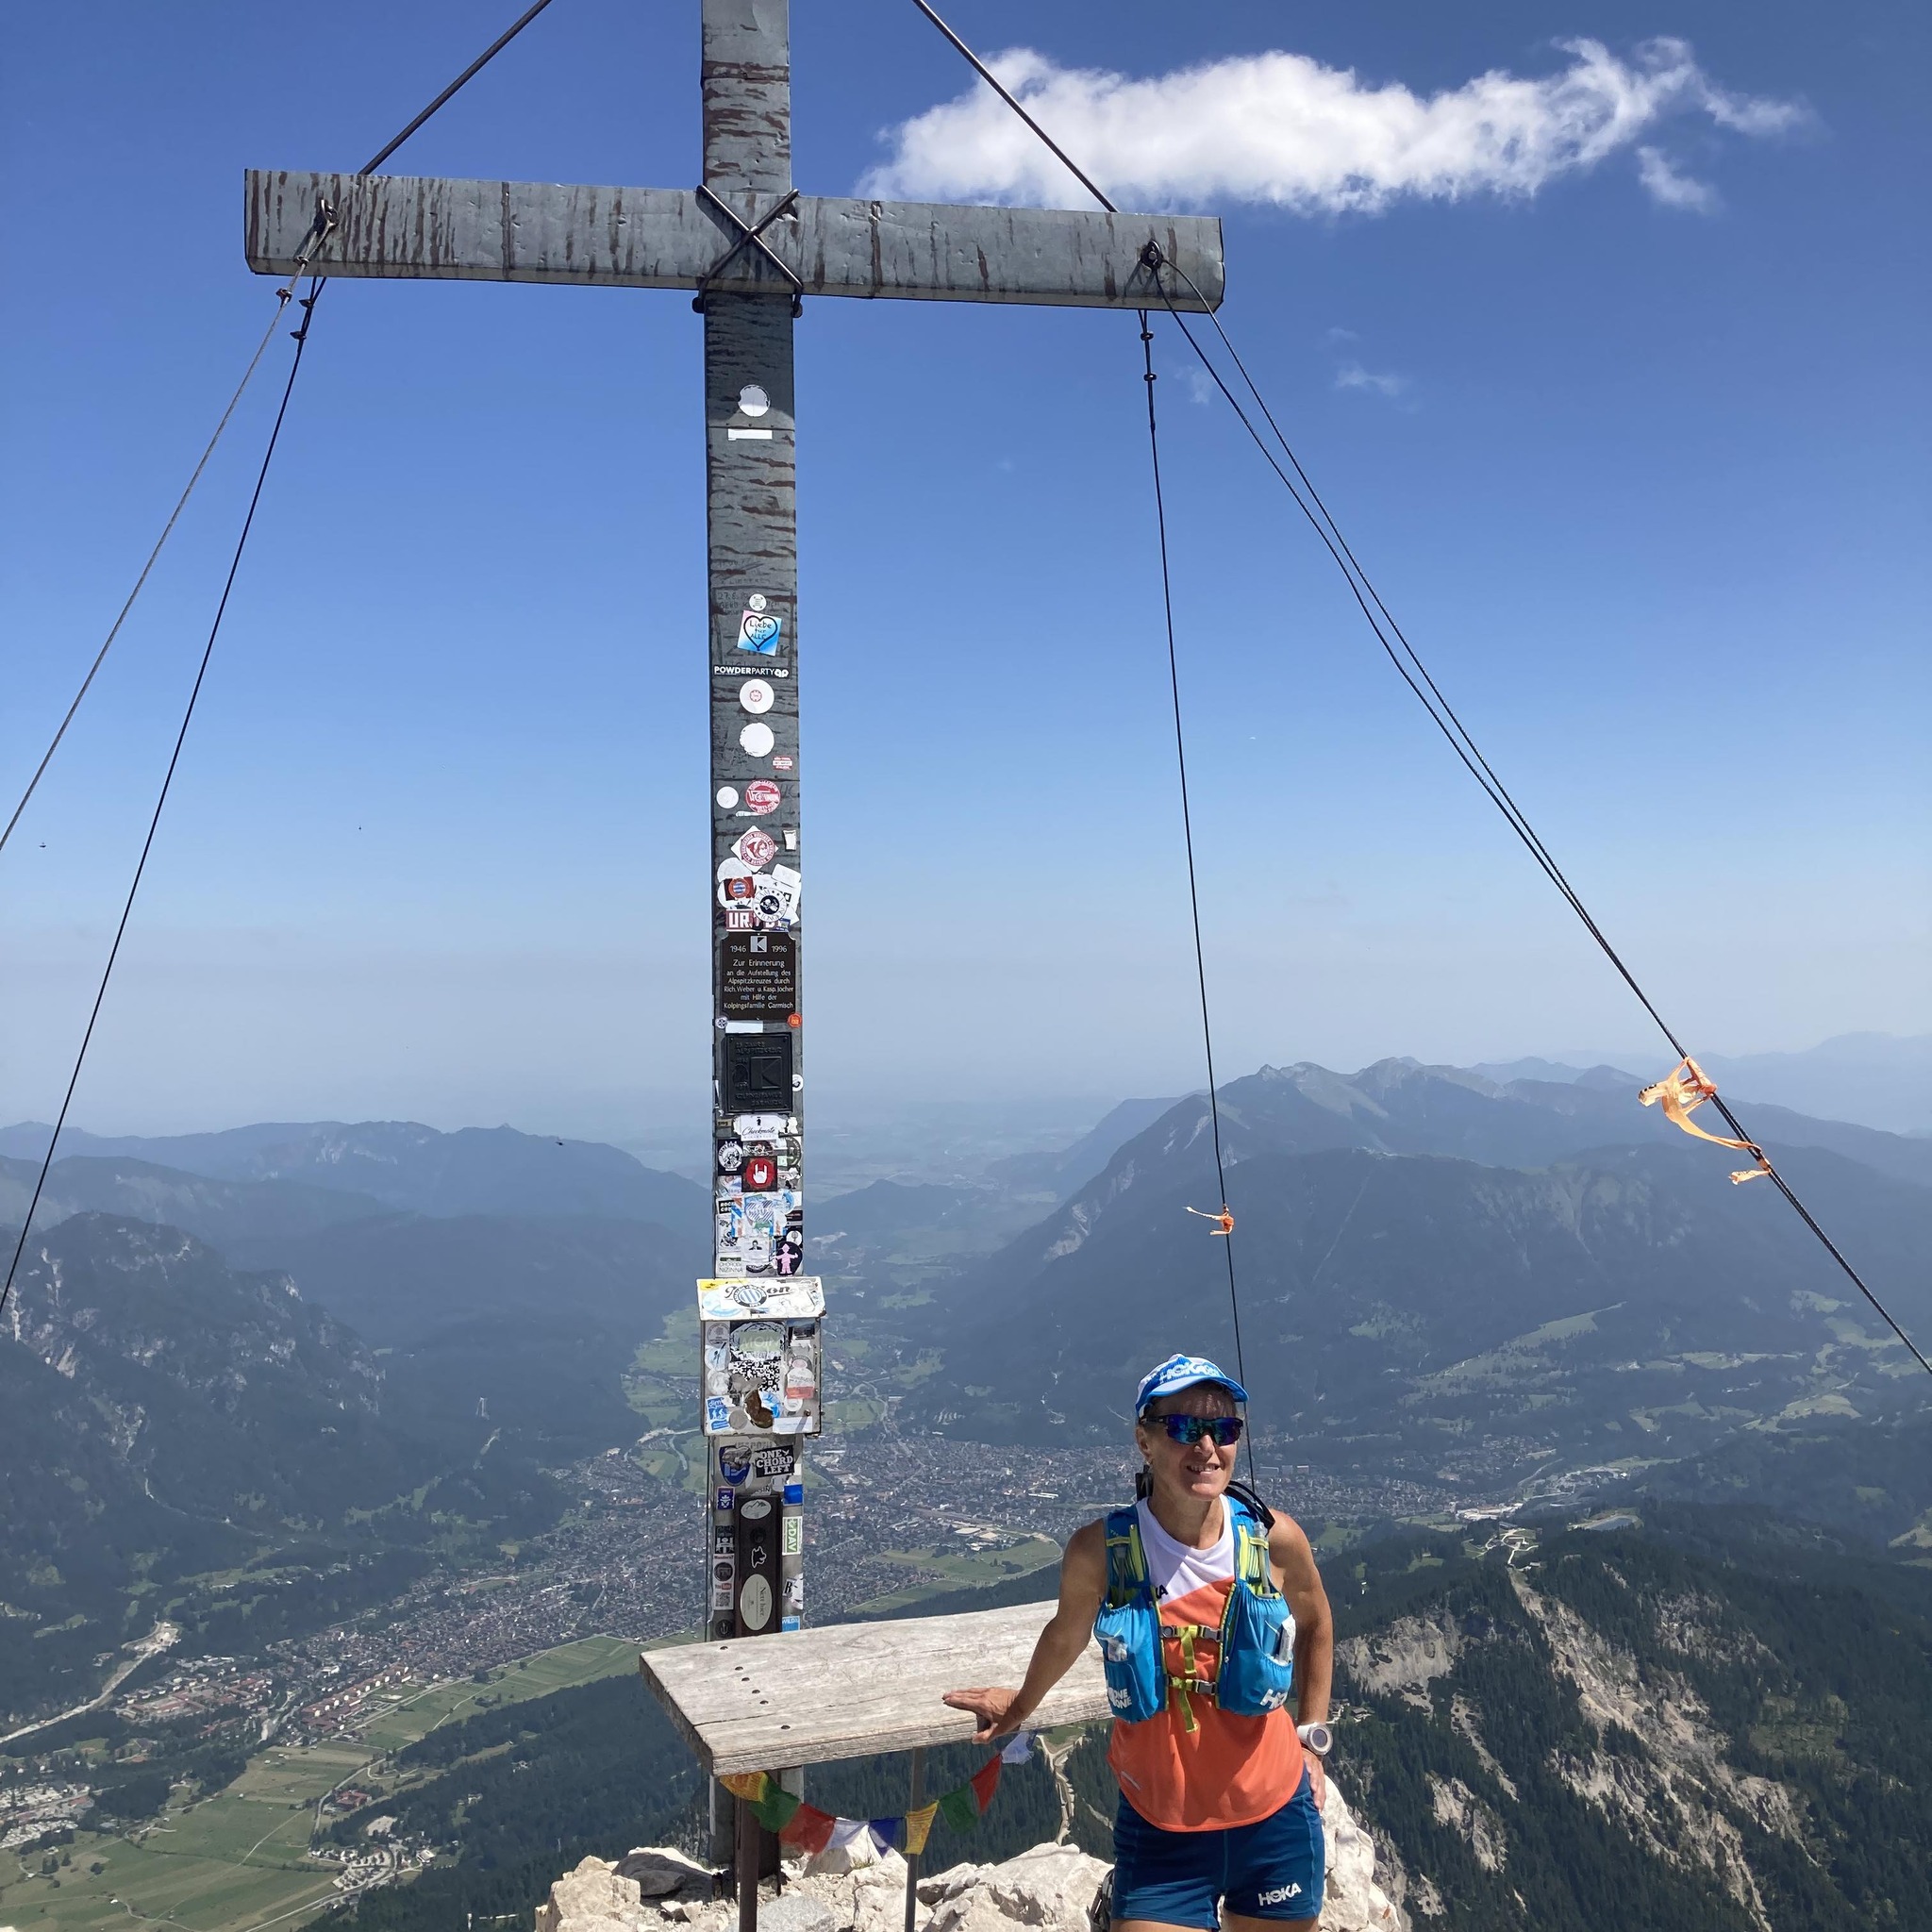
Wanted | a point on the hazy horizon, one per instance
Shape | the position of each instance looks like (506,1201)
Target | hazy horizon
(670,1120)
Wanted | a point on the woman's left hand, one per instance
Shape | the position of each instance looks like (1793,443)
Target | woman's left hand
(1318,1780)
(992,1705)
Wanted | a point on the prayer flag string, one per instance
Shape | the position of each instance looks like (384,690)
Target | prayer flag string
(795,1823)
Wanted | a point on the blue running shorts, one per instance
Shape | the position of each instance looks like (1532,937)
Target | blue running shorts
(1269,1870)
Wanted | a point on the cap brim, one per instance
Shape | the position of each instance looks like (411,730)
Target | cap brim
(1227,1382)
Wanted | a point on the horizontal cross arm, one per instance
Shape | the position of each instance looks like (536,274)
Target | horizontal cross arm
(668,238)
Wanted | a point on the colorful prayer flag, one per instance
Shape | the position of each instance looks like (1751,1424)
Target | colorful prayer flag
(960,1808)
(985,1782)
(748,1785)
(919,1828)
(1019,1747)
(810,1828)
(887,1831)
(779,1807)
(853,1835)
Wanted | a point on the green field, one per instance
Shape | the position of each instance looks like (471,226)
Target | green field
(239,1860)
(961,1568)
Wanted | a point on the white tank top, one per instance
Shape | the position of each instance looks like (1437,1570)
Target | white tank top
(1172,1568)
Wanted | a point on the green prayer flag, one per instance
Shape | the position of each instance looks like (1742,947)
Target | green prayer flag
(775,1808)
(960,1808)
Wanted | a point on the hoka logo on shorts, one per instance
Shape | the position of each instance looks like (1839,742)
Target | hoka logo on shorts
(1281,1894)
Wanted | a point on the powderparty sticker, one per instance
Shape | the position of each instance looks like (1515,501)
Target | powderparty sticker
(800,1299)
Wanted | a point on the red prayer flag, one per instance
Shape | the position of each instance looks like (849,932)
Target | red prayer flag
(810,1828)
(985,1782)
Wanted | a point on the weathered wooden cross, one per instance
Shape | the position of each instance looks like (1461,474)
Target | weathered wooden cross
(752,248)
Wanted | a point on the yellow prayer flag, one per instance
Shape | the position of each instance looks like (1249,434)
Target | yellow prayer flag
(748,1785)
(917,1824)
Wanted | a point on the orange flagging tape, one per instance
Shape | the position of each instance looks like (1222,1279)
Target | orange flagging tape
(1688,1086)
(1223,1222)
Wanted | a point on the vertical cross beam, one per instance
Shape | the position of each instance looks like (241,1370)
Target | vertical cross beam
(750,500)
(753,662)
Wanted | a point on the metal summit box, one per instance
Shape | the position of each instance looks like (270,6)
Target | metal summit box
(764,1355)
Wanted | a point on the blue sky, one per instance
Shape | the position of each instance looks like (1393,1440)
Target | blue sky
(1635,447)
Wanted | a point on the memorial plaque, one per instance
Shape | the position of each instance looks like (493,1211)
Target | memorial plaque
(757,1073)
(758,976)
(757,1565)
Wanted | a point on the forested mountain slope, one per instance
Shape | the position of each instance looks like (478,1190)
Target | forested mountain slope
(1410,1309)
(1703,1726)
(188,1442)
(401,1164)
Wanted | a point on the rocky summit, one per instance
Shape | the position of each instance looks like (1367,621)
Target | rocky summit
(1048,1889)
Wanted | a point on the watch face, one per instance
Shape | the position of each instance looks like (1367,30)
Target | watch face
(1317,1737)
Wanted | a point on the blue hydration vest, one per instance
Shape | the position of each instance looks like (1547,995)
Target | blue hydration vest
(1256,1636)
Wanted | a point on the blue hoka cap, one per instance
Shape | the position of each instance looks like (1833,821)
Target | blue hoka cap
(1180,1372)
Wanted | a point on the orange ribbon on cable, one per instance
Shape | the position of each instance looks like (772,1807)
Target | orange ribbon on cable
(1223,1222)
(1688,1086)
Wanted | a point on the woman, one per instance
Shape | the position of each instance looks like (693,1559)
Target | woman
(1190,1593)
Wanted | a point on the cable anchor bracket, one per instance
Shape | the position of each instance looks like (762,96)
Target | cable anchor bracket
(750,235)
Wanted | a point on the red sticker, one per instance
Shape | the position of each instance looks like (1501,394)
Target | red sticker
(761,795)
(757,847)
(782,763)
(740,888)
(760,1174)
(741,919)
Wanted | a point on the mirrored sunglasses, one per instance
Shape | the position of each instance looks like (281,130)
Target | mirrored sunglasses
(1226,1430)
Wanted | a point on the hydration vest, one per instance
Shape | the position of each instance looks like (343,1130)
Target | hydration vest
(1256,1634)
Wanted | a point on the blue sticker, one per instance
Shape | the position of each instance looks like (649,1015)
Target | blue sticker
(724,1499)
(787,1623)
(794,1493)
(758,629)
(717,1412)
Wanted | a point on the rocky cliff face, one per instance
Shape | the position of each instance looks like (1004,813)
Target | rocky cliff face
(1049,1889)
(1611,1716)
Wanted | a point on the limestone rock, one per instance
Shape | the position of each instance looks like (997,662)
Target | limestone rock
(596,1897)
(1353,1901)
(1051,1886)
(1046,1889)
(794,1911)
(865,1897)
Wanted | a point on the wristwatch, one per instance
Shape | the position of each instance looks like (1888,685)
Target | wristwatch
(1316,1737)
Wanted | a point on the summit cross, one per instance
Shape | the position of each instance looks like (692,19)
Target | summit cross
(751,249)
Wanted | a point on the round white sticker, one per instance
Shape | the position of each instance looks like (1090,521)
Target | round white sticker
(755,695)
(753,400)
(755,1602)
(757,740)
(727,798)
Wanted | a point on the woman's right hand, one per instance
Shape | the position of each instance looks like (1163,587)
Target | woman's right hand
(992,1705)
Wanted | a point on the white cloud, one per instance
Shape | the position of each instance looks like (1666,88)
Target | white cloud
(1353,375)
(1672,190)
(1283,129)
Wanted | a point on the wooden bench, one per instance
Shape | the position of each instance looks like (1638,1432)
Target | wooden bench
(852,1691)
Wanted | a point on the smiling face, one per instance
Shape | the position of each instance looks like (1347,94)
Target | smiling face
(1196,1470)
